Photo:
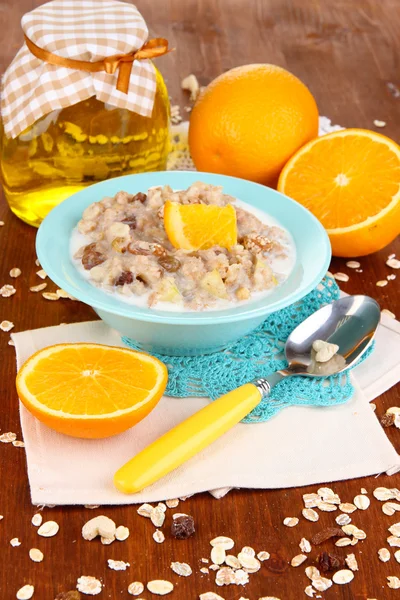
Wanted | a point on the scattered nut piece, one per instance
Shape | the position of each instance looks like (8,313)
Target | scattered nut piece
(263,555)
(135,588)
(291,521)
(383,494)
(173,503)
(353,264)
(351,562)
(362,502)
(158,536)
(50,296)
(89,585)
(26,592)
(226,542)
(107,541)
(121,533)
(15,542)
(101,525)
(381,283)
(117,565)
(393,583)
(48,529)
(6,325)
(393,263)
(37,520)
(42,274)
(36,555)
(8,437)
(342,577)
(38,288)
(341,277)
(378,123)
(15,272)
(181,569)
(191,84)
(298,560)
(7,290)
(160,587)
(310,514)
(384,554)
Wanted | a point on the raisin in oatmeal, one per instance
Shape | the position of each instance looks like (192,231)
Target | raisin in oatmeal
(121,246)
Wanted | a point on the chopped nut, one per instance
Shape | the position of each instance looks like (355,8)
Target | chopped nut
(117,565)
(36,555)
(6,326)
(37,520)
(353,264)
(362,502)
(26,592)
(326,534)
(15,542)
(172,503)
(121,533)
(38,288)
(324,351)
(181,569)
(160,587)
(263,555)
(226,542)
(15,272)
(298,560)
(8,437)
(310,514)
(191,84)
(89,585)
(381,283)
(107,541)
(388,419)
(351,562)
(378,123)
(101,525)
(384,554)
(342,577)
(329,562)
(341,277)
(158,536)
(291,521)
(393,583)
(48,529)
(393,263)
(42,274)
(7,290)
(135,588)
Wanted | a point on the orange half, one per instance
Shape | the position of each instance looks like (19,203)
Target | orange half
(90,390)
(200,226)
(350,180)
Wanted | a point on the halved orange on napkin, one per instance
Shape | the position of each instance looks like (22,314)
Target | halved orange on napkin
(350,180)
(200,226)
(90,390)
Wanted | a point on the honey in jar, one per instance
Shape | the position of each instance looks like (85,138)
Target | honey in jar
(94,131)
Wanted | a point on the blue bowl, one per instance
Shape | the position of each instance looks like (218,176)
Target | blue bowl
(188,333)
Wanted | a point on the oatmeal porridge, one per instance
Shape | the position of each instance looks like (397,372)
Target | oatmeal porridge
(121,246)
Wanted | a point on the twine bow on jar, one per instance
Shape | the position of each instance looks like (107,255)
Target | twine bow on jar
(123,62)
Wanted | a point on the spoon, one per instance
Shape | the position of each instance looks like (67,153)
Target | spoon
(349,322)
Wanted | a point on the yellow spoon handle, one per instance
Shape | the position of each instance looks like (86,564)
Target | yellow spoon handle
(186,439)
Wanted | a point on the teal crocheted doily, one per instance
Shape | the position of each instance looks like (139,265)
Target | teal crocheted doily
(258,355)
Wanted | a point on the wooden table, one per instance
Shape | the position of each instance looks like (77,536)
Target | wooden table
(345,51)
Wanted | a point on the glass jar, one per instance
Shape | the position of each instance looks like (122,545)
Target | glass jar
(69,149)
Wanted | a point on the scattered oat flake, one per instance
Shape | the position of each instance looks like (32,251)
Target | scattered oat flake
(381,283)
(8,437)
(379,123)
(157,516)
(321,584)
(226,542)
(121,533)
(42,274)
(291,521)
(363,491)
(351,562)
(310,514)
(63,294)
(395,529)
(389,508)
(26,592)
(7,290)
(345,541)
(353,264)
(232,561)
(38,288)
(341,277)
(173,503)
(117,565)
(309,591)
(383,494)
(343,576)
(249,562)
(89,585)
(393,541)
(11,343)
(298,560)
(347,507)
(158,536)
(15,542)
(393,263)
(204,570)
(311,500)
(145,510)
(135,588)
(181,569)
(210,596)
(18,444)
(343,520)
(50,296)
(214,567)
(15,272)
(48,529)
(383,554)
(1,223)
(248,550)
(393,583)
(107,541)
(218,555)
(160,587)
(205,560)
(36,555)
(263,555)
(391,277)
(312,572)
(362,502)
(327,507)
(6,326)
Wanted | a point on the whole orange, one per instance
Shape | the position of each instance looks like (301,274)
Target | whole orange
(249,121)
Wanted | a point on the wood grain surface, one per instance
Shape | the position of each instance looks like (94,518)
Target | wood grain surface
(347,53)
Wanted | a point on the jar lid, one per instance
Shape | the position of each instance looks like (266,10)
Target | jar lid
(84,30)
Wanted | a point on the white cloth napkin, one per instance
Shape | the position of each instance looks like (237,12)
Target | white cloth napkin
(299,446)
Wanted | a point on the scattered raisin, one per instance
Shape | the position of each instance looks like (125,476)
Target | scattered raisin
(92,257)
(169,263)
(330,562)
(388,419)
(125,277)
(326,534)
(131,221)
(182,527)
(72,595)
(139,197)
(146,249)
